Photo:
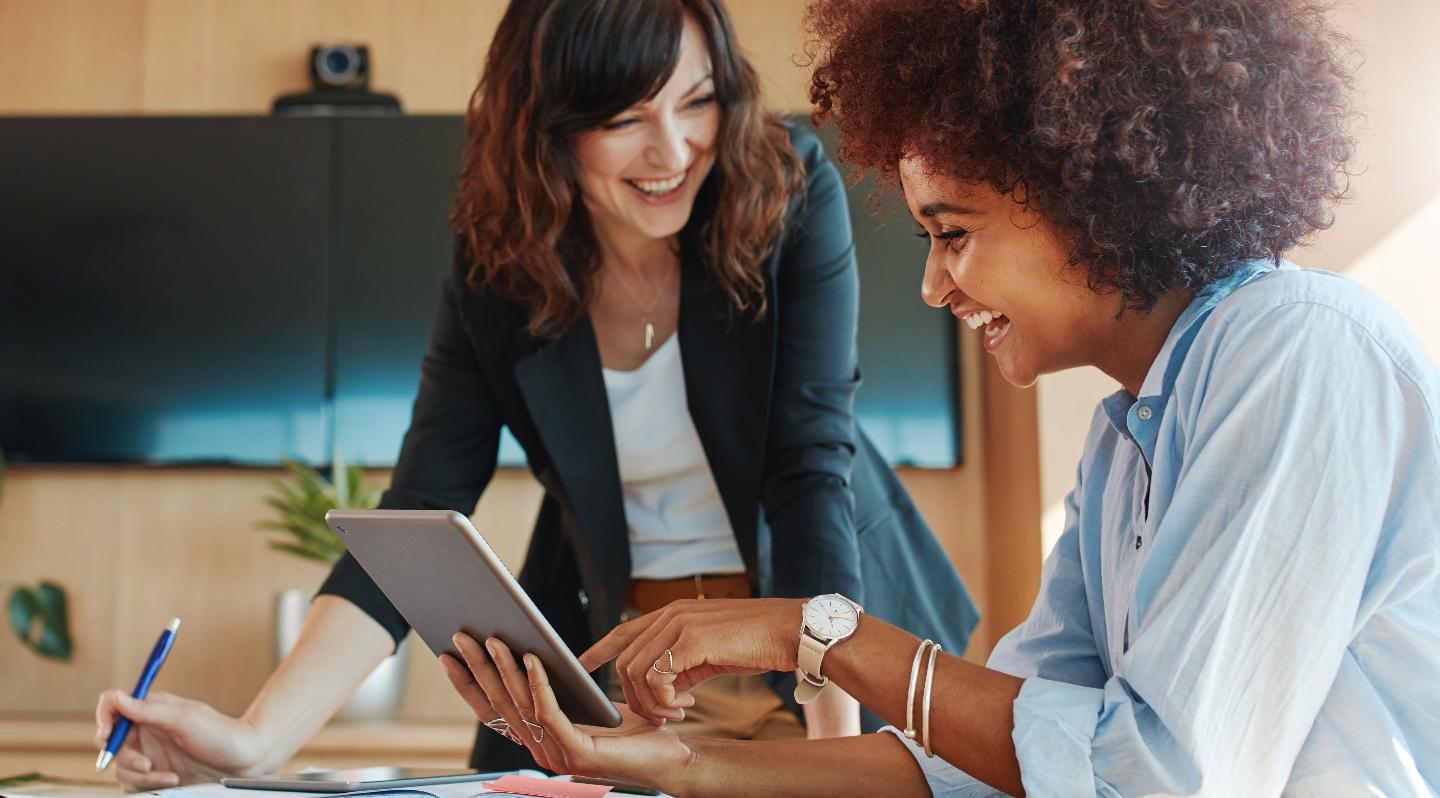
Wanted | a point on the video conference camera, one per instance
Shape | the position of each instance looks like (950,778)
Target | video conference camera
(339,86)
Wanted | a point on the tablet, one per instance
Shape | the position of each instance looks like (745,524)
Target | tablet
(443,578)
(355,779)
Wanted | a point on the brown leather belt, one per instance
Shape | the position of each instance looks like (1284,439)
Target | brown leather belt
(648,595)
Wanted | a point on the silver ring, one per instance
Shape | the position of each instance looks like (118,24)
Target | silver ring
(532,727)
(669,656)
(502,727)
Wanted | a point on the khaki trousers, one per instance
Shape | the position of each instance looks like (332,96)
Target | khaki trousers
(733,708)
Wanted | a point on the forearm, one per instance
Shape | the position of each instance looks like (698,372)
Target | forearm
(972,707)
(833,713)
(873,764)
(338,647)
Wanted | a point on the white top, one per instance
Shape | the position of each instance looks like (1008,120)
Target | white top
(678,526)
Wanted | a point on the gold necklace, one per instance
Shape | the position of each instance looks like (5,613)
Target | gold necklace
(648,309)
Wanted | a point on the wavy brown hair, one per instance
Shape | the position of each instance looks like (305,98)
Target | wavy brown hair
(557,68)
(1170,138)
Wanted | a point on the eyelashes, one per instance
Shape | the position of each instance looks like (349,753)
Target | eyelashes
(948,235)
(694,105)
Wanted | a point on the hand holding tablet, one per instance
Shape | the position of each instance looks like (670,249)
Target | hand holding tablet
(444,578)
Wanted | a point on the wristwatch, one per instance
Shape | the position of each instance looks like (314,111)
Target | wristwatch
(824,621)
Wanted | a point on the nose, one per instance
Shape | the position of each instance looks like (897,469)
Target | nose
(936,285)
(669,148)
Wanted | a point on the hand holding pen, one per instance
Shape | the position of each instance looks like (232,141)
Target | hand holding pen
(142,688)
(173,740)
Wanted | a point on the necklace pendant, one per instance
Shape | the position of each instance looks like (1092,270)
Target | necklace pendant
(649,336)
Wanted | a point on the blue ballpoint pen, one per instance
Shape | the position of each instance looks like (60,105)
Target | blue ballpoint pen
(142,688)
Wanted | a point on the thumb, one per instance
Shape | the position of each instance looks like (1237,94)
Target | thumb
(157,710)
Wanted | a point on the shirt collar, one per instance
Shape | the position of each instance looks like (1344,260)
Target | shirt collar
(1139,417)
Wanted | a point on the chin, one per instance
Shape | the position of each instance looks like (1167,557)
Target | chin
(1016,374)
(666,226)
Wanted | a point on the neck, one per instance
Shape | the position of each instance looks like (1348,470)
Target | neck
(1135,340)
(633,252)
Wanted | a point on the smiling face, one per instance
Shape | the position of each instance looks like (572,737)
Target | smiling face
(639,173)
(1002,270)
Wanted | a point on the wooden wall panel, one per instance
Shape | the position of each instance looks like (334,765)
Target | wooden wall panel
(70,56)
(215,56)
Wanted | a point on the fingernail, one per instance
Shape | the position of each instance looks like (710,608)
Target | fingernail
(531,662)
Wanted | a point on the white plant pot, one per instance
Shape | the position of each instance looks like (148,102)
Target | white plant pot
(379,696)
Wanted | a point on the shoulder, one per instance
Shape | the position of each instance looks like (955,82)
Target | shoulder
(819,215)
(808,147)
(472,301)
(821,176)
(1314,331)
(1317,314)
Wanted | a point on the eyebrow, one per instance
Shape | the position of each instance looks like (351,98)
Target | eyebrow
(698,84)
(936,208)
(690,91)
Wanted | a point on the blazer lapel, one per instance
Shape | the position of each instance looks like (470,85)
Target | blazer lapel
(564,391)
(727,359)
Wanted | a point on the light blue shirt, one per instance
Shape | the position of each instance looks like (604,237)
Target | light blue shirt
(1271,623)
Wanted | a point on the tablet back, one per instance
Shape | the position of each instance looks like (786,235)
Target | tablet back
(444,578)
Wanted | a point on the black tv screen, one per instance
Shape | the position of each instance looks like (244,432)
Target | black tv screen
(164,285)
(242,290)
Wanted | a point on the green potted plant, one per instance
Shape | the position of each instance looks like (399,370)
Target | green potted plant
(39,615)
(298,528)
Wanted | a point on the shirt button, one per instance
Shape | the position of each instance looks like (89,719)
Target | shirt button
(584,600)
(1144,413)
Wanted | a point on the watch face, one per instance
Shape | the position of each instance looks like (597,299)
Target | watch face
(831,616)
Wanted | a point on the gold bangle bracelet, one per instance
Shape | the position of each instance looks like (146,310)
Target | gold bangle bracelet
(929,683)
(910,694)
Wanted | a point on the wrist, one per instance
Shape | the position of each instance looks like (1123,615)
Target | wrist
(694,778)
(260,752)
(788,625)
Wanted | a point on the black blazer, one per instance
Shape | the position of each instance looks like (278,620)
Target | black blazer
(813,506)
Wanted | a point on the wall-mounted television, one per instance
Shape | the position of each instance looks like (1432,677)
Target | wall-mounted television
(240,290)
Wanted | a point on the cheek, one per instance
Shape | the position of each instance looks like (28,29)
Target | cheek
(601,159)
(703,131)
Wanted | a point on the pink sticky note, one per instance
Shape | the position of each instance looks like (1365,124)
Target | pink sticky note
(546,788)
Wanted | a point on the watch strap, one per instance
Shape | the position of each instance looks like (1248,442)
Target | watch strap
(811,655)
(807,691)
(810,658)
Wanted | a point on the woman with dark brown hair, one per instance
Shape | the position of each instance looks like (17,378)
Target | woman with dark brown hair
(1246,597)
(655,290)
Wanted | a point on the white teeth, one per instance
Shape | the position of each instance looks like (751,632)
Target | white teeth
(659,186)
(981,318)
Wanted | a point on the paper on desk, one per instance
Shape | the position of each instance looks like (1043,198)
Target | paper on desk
(462,789)
(546,788)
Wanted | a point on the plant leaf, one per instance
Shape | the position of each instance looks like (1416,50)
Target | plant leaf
(22,778)
(24,609)
(299,525)
(47,603)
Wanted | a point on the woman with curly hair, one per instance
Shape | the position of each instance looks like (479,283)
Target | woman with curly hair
(1246,598)
(655,290)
